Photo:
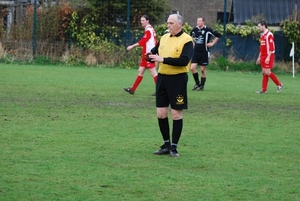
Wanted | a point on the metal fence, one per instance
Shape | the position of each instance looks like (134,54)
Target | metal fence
(125,16)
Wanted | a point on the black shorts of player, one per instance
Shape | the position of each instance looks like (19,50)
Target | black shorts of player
(201,58)
(172,90)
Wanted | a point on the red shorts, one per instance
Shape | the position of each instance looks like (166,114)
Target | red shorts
(147,64)
(270,64)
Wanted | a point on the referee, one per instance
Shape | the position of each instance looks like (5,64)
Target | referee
(202,36)
(173,53)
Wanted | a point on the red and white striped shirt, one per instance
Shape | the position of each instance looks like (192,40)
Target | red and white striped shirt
(148,41)
(266,44)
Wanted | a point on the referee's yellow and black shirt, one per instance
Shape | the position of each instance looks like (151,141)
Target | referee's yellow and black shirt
(177,52)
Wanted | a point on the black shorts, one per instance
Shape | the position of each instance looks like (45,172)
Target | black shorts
(201,58)
(172,90)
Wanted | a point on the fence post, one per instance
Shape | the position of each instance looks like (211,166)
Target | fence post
(224,27)
(70,41)
(128,23)
(34,30)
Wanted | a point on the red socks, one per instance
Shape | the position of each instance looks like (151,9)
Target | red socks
(265,81)
(275,79)
(155,78)
(136,82)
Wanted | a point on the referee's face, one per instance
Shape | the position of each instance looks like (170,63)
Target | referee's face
(174,25)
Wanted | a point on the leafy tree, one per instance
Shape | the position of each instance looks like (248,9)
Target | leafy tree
(108,20)
(83,31)
(291,30)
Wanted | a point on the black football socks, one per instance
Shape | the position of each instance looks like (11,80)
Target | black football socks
(177,129)
(203,80)
(164,128)
(196,78)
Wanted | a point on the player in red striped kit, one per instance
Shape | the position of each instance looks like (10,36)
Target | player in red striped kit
(266,58)
(147,43)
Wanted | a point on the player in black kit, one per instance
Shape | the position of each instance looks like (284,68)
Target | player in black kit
(202,36)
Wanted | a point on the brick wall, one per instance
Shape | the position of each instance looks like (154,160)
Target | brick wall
(191,9)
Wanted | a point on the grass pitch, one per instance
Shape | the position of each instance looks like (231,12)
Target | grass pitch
(74,134)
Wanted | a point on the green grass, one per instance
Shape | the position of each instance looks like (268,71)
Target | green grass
(72,133)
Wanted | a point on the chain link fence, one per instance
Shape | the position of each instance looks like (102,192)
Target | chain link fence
(44,31)
(56,42)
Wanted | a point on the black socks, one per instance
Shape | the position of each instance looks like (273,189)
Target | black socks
(196,78)
(203,80)
(164,129)
(177,129)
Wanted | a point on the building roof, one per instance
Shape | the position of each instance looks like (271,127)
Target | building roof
(7,2)
(273,11)
(13,2)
